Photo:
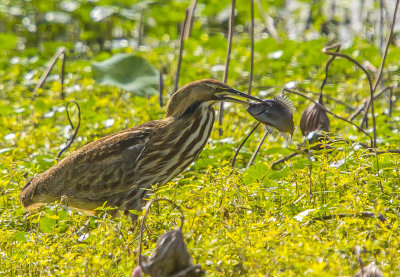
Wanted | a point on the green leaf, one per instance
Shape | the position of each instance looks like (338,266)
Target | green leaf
(20,236)
(128,72)
(254,173)
(8,41)
(47,225)
(279,174)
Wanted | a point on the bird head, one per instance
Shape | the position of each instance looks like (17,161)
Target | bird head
(204,91)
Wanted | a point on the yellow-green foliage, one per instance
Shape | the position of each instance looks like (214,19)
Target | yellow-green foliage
(243,222)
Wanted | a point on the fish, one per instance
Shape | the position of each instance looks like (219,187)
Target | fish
(275,113)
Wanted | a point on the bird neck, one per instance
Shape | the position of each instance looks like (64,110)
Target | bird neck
(183,138)
(196,114)
(194,109)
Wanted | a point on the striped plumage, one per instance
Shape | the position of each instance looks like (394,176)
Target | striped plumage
(121,167)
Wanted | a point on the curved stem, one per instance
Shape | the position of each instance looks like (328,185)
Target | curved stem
(257,149)
(178,69)
(251,47)
(325,51)
(72,126)
(380,71)
(371,88)
(142,224)
(242,143)
(337,46)
(331,113)
(228,58)
(60,52)
(361,108)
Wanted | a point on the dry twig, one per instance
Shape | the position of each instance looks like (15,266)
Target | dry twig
(143,222)
(257,149)
(161,89)
(140,27)
(362,107)
(331,113)
(325,50)
(189,22)
(269,22)
(60,52)
(242,143)
(228,58)
(337,47)
(71,140)
(330,98)
(342,215)
(370,102)
(251,47)
(178,69)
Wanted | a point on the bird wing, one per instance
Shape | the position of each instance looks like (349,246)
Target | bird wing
(94,171)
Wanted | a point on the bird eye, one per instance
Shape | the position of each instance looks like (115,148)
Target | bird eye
(217,89)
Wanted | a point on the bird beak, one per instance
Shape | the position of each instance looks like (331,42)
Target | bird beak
(227,95)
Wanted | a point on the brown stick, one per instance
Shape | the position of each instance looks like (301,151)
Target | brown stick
(284,159)
(294,154)
(142,224)
(62,74)
(140,27)
(54,59)
(257,149)
(269,22)
(358,250)
(325,50)
(331,113)
(362,107)
(390,151)
(161,89)
(71,140)
(251,47)
(228,58)
(337,46)
(242,143)
(370,102)
(390,102)
(178,69)
(341,215)
(189,22)
(327,96)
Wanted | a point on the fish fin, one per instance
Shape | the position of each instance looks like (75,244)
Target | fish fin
(270,129)
(287,137)
(285,101)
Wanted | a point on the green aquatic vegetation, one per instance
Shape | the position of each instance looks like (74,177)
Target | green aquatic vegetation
(301,218)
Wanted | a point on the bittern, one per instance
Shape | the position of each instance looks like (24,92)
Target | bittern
(120,168)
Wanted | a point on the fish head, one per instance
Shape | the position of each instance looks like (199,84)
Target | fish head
(276,113)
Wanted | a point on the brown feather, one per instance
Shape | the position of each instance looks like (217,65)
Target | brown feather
(120,168)
(76,175)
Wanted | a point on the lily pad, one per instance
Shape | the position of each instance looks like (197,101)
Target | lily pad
(128,72)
